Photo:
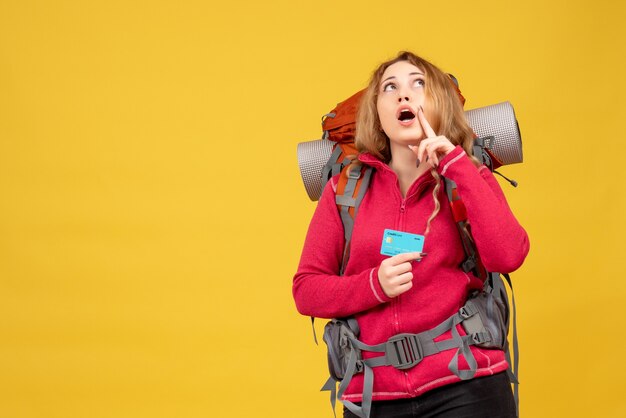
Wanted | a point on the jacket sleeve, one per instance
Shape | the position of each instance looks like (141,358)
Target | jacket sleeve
(318,289)
(501,241)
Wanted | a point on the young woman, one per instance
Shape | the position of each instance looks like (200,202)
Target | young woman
(412,130)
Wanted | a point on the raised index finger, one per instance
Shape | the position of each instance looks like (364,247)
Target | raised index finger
(428,130)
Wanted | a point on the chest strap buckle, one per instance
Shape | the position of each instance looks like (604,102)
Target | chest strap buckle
(403,351)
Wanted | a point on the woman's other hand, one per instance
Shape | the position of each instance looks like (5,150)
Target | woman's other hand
(395,274)
(434,146)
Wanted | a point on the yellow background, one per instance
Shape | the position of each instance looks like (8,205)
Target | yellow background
(152,212)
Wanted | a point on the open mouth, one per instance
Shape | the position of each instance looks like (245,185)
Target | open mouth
(406,115)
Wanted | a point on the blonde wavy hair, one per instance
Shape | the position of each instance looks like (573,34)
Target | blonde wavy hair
(447,119)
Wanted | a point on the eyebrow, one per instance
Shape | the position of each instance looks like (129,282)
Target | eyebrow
(393,76)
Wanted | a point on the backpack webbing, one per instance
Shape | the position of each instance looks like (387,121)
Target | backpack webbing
(348,197)
(472,263)
(404,351)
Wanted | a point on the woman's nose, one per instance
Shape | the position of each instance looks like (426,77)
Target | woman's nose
(401,97)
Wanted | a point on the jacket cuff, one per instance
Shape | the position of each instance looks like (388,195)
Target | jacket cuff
(453,156)
(377,289)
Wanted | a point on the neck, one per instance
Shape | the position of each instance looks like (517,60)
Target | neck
(403,163)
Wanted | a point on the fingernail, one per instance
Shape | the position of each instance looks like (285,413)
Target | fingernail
(421,108)
(418,161)
(424,254)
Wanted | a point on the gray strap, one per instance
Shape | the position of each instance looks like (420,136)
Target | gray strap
(362,411)
(480,144)
(328,168)
(331,170)
(464,349)
(478,152)
(351,369)
(348,224)
(367,175)
(340,165)
(331,386)
(426,338)
(346,219)
(449,323)
(376,361)
(514,368)
(328,115)
(469,263)
(378,348)
(353,325)
(368,389)
(353,178)
(429,347)
(345,201)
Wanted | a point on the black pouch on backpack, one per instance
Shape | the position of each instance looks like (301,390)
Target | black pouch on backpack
(492,316)
(337,335)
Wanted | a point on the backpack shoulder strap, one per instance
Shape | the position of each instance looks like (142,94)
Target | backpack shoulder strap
(351,188)
(472,260)
(472,263)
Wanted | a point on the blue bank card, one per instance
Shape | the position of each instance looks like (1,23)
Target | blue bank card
(397,242)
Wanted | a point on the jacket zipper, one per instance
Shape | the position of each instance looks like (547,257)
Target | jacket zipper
(396,311)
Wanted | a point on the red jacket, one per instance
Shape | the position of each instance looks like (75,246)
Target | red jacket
(440,287)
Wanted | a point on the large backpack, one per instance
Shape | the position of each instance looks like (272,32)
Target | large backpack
(485,316)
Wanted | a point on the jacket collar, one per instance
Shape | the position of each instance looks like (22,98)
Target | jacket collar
(371,160)
(382,167)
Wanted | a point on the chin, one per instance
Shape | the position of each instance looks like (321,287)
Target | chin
(413,137)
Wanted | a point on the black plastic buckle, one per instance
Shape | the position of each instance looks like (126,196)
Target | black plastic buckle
(468,264)
(469,309)
(464,313)
(404,351)
(481,337)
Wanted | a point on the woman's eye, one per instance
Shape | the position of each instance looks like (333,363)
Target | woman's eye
(419,83)
(389,87)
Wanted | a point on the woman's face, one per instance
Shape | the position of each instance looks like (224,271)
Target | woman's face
(400,94)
